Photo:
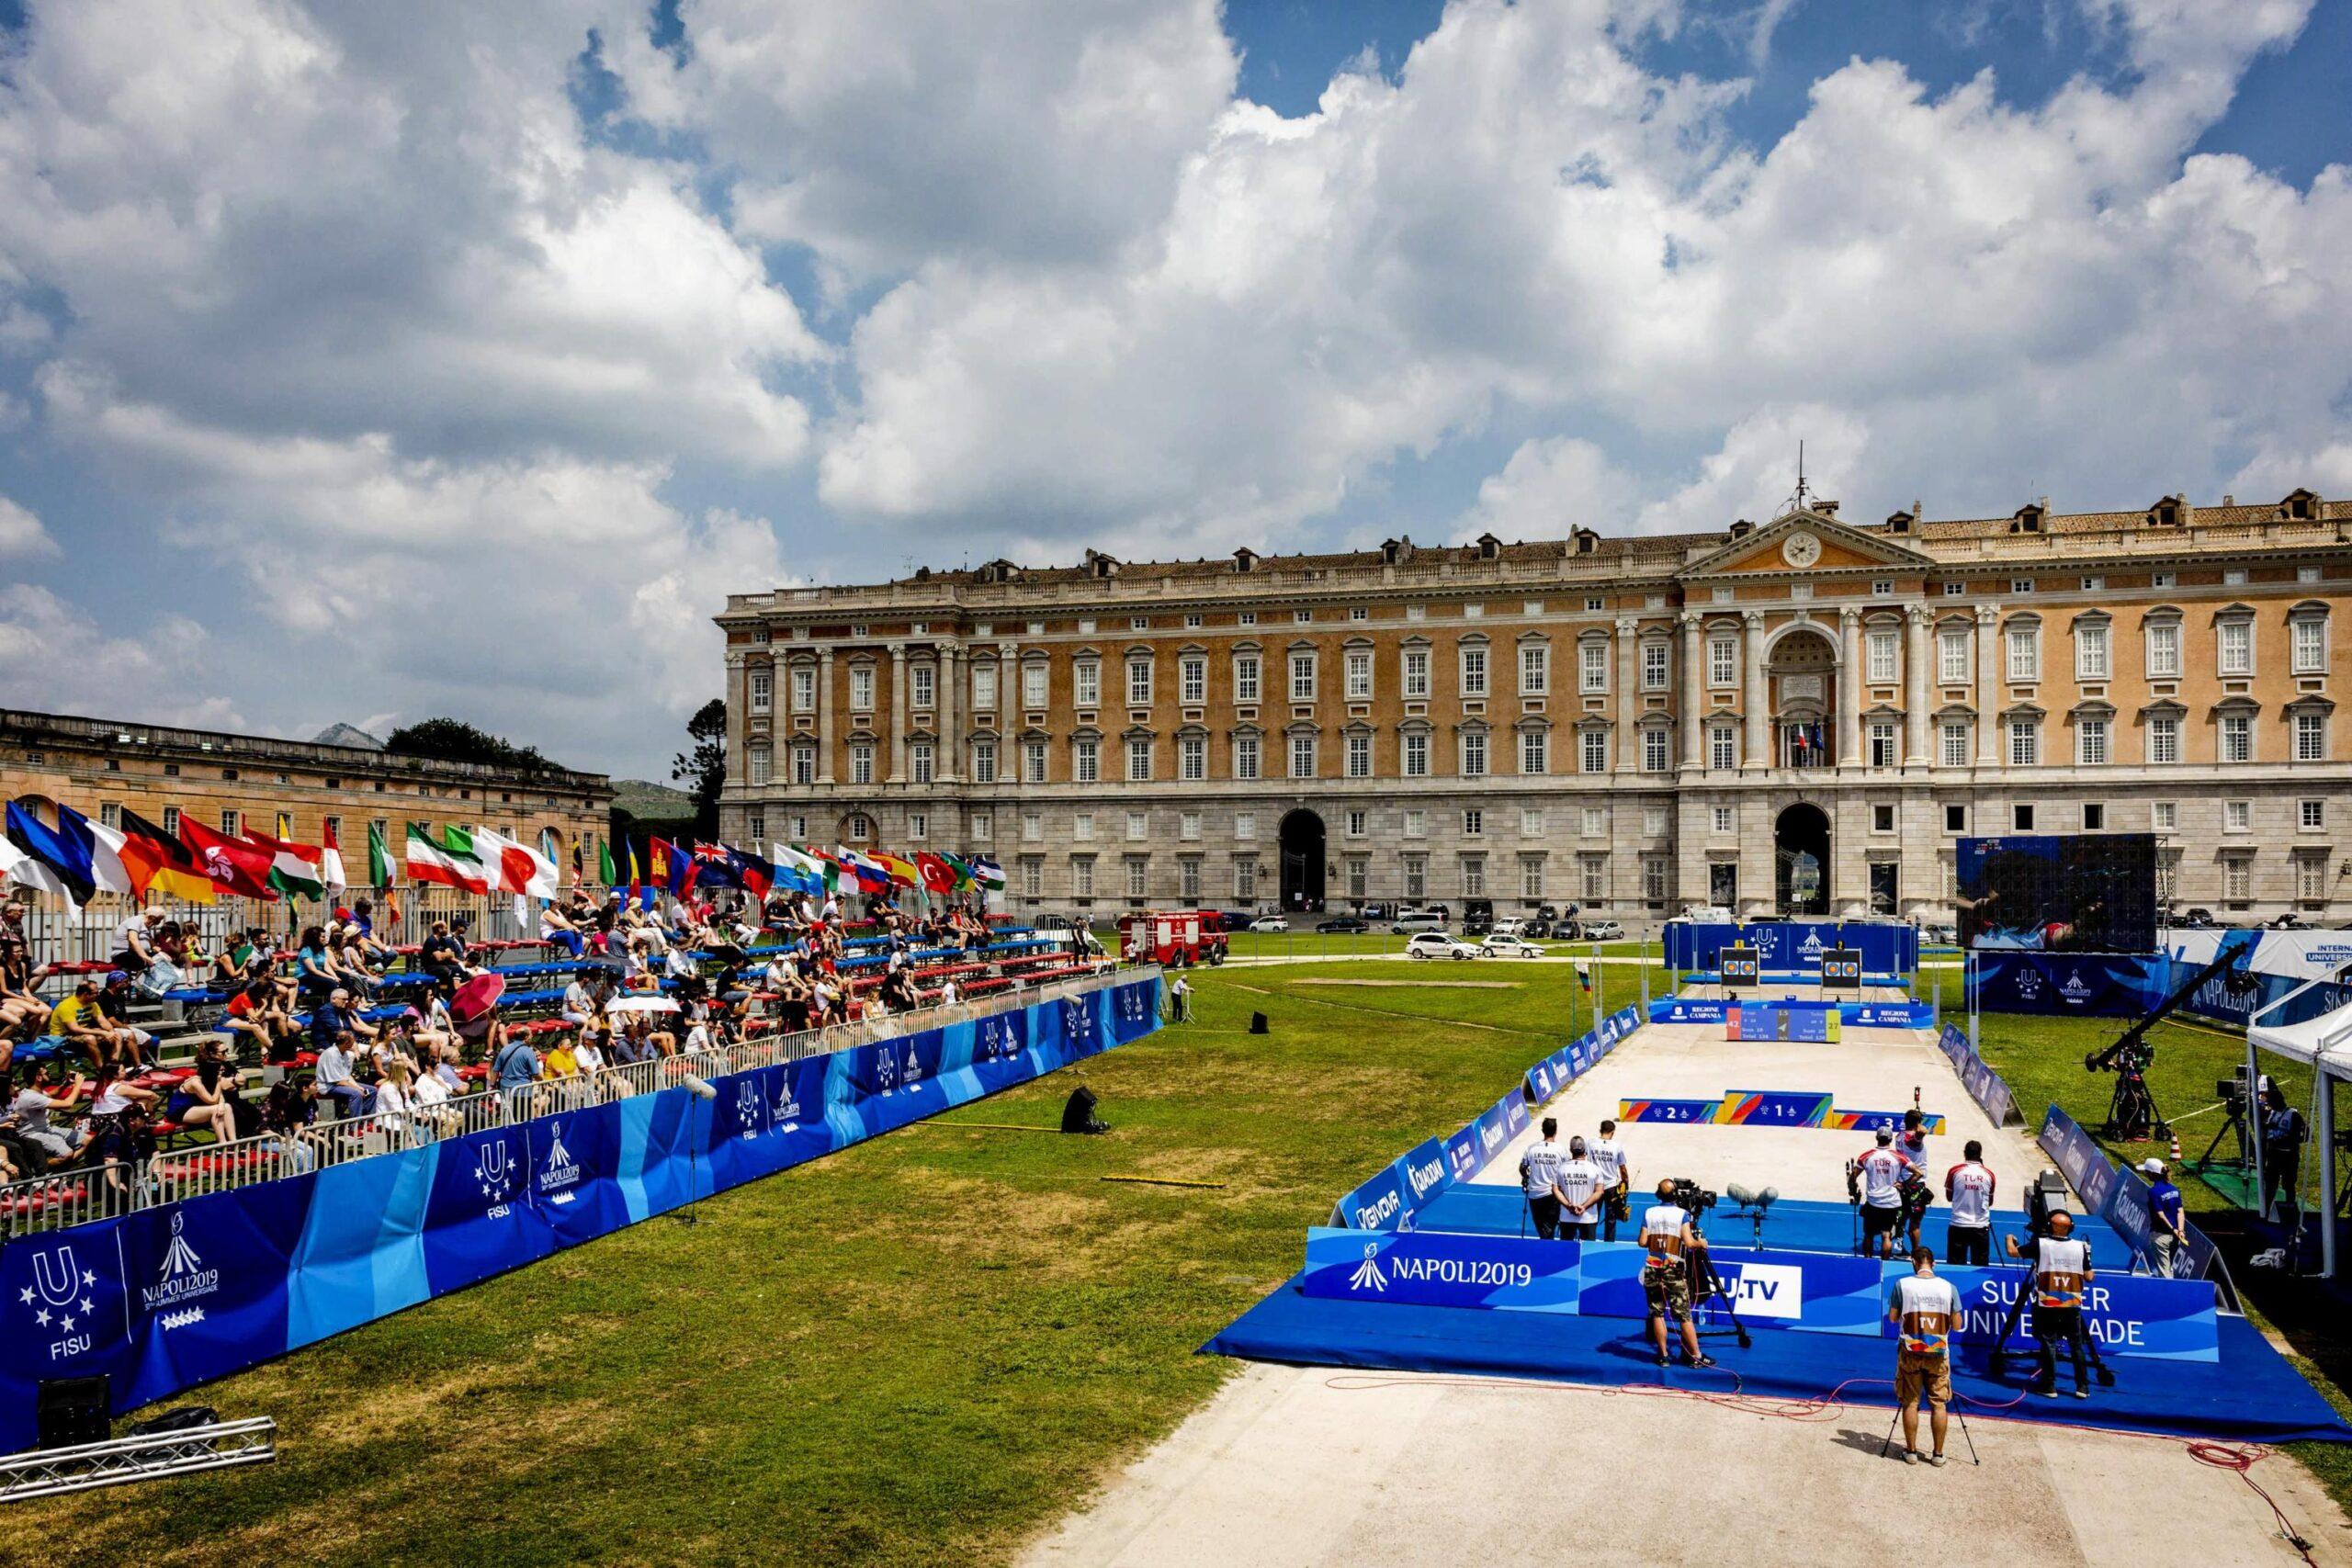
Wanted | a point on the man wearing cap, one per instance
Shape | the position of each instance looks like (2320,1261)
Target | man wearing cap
(1881,1170)
(2168,1230)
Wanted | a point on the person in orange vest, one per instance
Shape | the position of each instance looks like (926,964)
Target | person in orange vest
(2062,1270)
(1926,1310)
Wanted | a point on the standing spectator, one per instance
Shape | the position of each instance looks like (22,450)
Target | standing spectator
(517,1069)
(2169,1233)
(2283,1132)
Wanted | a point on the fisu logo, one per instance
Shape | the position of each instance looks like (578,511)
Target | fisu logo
(63,1297)
(494,1168)
(886,1068)
(747,1109)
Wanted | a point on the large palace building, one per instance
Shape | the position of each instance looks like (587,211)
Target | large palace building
(1803,716)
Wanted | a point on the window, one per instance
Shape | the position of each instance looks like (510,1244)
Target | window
(925,683)
(1192,621)
(2025,653)
(1417,876)
(1593,751)
(231,822)
(2025,742)
(1245,874)
(2094,584)
(982,823)
(1359,674)
(2020,585)
(2237,738)
(1473,823)
(984,688)
(1654,878)
(1723,747)
(1033,827)
(2161,580)
(1534,670)
(1188,826)
(1417,754)
(2310,878)
(1953,739)
(2164,740)
(1723,663)
(1245,677)
(2236,647)
(2310,645)
(2234,577)
(1138,760)
(757,760)
(1656,663)
(1301,616)
(1955,818)
(1246,618)
(1880,649)
(763,690)
(861,688)
(1086,684)
(1139,825)
(1415,823)
(1592,666)
(1188,879)
(804,689)
(1592,822)
(1302,756)
(984,761)
(861,762)
(1245,756)
(918,825)
(2094,816)
(1301,677)
(1359,823)
(804,764)
(1531,877)
(1952,656)
(1191,758)
(1033,761)
(1139,682)
(1531,822)
(1474,755)
(2091,662)
(918,761)
(1034,685)
(1245,827)
(1882,819)
(1473,672)
(2237,815)
(1086,762)
(2311,737)
(1082,827)
(2164,815)
(2021,818)
(2310,813)
(1534,752)
(2237,878)
(1880,739)
(172,821)
(1192,680)
(1081,876)
(1654,757)
(1474,876)
(755,828)
(2090,742)
(1955,590)
(1721,819)
(1416,672)
(1594,879)
(2162,639)
(1359,612)
(1358,756)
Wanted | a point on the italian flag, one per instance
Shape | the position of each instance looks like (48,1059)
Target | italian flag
(294,869)
(451,862)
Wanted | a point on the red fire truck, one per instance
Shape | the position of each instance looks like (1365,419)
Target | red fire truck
(1179,937)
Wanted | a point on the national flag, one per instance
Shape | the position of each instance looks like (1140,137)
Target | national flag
(293,868)
(799,871)
(636,877)
(755,875)
(233,866)
(606,870)
(517,867)
(104,845)
(331,861)
(961,868)
(380,857)
(989,875)
(63,865)
(159,863)
(903,872)
(450,860)
(938,877)
(712,868)
(830,870)
(676,868)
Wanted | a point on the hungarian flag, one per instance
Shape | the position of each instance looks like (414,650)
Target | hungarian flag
(516,867)
(102,843)
(380,857)
(233,866)
(450,860)
(294,869)
(159,863)
(938,877)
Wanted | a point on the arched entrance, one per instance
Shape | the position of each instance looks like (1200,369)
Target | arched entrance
(1803,668)
(1301,842)
(1801,861)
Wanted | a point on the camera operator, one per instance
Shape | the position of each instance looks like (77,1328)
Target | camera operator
(1539,1179)
(1582,1187)
(1669,1238)
(1881,1171)
(1616,1202)
(2169,1233)
(1926,1309)
(2062,1267)
(1968,1187)
(2283,1131)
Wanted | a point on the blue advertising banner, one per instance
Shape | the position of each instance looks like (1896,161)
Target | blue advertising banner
(2087,1170)
(1794,946)
(1492,1273)
(1813,1292)
(2128,1314)
(174,1295)
(2104,985)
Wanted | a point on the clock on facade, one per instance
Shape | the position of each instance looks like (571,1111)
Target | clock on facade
(1801,549)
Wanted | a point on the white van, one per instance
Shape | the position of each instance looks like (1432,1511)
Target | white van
(1410,921)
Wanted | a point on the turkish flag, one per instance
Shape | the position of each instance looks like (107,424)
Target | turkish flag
(937,875)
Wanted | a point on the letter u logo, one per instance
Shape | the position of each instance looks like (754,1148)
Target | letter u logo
(496,1158)
(54,1273)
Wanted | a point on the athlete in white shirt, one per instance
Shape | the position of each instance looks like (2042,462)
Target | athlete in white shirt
(1881,1171)
(1539,1181)
(1968,1239)
(1616,1201)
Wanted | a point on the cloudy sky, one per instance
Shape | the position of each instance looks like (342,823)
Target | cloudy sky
(366,362)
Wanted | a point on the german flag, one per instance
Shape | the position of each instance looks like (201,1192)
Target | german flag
(157,861)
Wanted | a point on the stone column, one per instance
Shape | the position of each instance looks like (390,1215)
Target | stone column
(738,714)
(825,715)
(1988,687)
(1629,656)
(950,700)
(1849,690)
(1754,723)
(899,713)
(1690,721)
(1915,654)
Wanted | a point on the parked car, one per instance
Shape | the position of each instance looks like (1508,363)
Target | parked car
(1604,931)
(1498,946)
(2198,919)
(1537,928)
(1410,921)
(1478,916)
(1510,925)
(1271,923)
(1344,925)
(1436,944)
(1939,936)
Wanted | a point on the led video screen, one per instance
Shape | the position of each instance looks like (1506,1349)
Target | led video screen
(2059,892)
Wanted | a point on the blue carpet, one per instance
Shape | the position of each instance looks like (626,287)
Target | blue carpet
(2250,1396)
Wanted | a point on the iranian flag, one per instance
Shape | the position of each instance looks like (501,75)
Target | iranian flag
(515,867)
(331,861)
(449,861)
(294,869)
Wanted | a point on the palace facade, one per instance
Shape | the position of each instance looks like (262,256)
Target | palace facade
(1803,716)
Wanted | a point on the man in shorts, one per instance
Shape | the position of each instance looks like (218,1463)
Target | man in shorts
(1925,1310)
(1665,1275)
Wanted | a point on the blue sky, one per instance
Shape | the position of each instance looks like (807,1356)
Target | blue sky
(360,365)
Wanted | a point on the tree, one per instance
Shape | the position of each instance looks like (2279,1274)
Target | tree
(455,741)
(703,769)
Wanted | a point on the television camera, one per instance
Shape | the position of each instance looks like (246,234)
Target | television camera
(2044,1199)
(2132,1111)
(1697,1264)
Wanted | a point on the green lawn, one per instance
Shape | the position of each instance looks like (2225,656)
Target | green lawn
(917,1351)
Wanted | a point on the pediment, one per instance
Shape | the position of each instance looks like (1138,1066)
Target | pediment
(1841,547)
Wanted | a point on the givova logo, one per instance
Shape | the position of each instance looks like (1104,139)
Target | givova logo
(1763,1290)
(1380,1211)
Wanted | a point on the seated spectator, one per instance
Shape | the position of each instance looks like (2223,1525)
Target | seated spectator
(359,927)
(134,943)
(443,955)
(561,1061)
(435,1115)
(897,992)
(82,1021)
(256,1014)
(393,1101)
(557,929)
(31,1115)
(315,967)
(290,1120)
(338,1080)
(118,1132)
(203,1103)
(582,1000)
(337,1016)
(344,960)
(20,1002)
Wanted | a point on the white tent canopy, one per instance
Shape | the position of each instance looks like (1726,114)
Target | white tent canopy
(2325,1045)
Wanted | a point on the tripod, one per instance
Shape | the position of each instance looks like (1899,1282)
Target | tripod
(2131,1114)
(2233,1120)
(1887,1447)
(1706,1290)
(2001,1362)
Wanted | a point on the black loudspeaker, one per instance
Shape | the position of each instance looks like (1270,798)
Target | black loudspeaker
(1257,1023)
(70,1411)
(1077,1116)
